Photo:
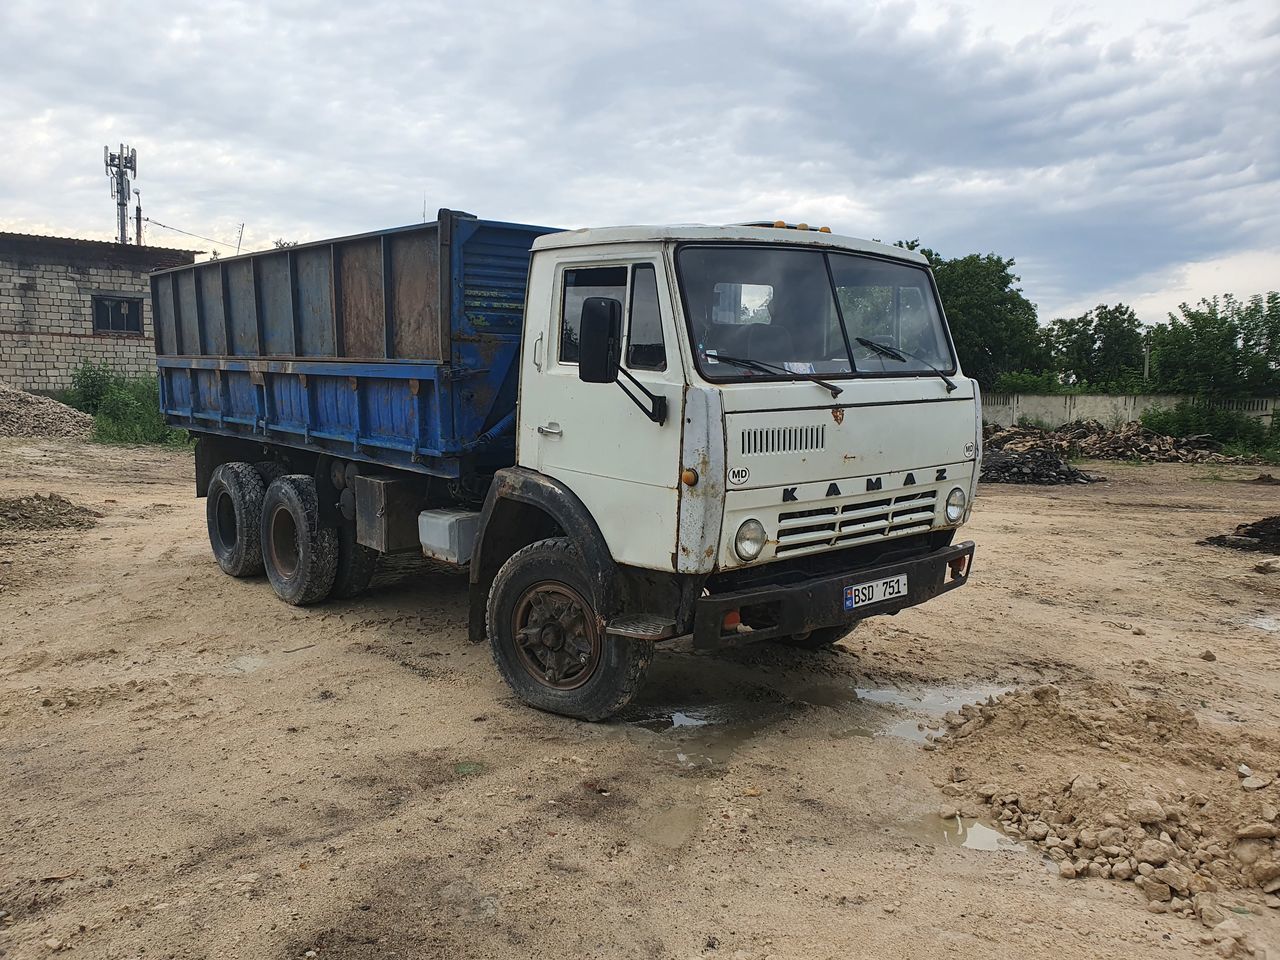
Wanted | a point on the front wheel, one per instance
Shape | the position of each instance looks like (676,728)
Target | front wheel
(549,643)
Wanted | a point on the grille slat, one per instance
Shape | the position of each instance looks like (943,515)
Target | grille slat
(857,521)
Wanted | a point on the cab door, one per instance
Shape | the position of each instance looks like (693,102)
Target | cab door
(593,437)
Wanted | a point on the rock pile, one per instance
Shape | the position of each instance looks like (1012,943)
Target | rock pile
(53,512)
(1262,536)
(1031,466)
(1092,440)
(24,414)
(1197,850)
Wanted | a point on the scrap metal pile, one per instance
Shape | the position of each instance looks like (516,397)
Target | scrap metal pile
(1038,455)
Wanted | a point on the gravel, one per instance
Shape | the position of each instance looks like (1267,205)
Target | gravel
(24,414)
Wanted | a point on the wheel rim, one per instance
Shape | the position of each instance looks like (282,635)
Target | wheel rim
(225,520)
(556,635)
(284,542)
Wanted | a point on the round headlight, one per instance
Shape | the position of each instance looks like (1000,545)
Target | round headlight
(955,505)
(750,540)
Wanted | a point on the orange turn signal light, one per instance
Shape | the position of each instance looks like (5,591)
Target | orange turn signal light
(732,619)
(959,567)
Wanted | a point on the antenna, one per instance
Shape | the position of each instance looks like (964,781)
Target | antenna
(119,166)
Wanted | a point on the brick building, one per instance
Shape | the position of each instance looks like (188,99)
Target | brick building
(64,301)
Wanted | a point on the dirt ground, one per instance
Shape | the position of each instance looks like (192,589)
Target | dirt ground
(189,768)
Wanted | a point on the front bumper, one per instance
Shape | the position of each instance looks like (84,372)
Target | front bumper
(780,611)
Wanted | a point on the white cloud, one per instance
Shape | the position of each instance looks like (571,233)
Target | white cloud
(1099,144)
(1156,295)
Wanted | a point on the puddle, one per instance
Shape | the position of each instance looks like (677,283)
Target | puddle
(677,719)
(971,835)
(709,736)
(1269,624)
(926,707)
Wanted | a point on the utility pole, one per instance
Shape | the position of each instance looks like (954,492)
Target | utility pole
(119,166)
(137,217)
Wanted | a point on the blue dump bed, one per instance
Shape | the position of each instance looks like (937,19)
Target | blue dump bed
(399,348)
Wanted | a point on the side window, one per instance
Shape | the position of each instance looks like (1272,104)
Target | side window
(579,284)
(117,315)
(645,347)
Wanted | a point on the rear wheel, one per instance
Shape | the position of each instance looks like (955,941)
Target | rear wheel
(233,509)
(300,555)
(548,641)
(356,564)
(819,638)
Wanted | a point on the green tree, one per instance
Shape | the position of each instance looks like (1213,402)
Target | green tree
(1117,355)
(1220,347)
(993,324)
(1102,348)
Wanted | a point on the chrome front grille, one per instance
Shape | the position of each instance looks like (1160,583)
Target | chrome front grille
(797,439)
(848,523)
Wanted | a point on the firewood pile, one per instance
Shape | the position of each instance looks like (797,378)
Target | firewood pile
(1091,440)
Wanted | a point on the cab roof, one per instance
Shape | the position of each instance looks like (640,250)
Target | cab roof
(738,232)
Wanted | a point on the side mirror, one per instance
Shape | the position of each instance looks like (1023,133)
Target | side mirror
(600,340)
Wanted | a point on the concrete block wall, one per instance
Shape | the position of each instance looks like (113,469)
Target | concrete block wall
(46,322)
(1054,410)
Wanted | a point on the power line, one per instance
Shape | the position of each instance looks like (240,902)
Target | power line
(165,226)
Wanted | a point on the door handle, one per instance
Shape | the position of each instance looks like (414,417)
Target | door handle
(551,429)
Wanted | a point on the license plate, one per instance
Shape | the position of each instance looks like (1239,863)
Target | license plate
(862,594)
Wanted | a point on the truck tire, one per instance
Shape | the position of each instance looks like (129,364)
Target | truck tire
(300,555)
(819,638)
(356,564)
(268,470)
(549,643)
(233,509)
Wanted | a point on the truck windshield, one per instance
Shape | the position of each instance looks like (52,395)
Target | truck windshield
(785,307)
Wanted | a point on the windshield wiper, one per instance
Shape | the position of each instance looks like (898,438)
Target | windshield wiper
(765,367)
(896,353)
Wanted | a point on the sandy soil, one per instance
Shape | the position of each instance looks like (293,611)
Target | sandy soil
(189,768)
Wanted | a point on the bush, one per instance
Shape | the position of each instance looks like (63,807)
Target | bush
(125,409)
(1189,419)
(89,385)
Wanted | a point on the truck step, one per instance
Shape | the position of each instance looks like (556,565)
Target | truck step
(642,627)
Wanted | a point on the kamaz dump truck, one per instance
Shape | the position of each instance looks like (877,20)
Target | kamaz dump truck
(625,435)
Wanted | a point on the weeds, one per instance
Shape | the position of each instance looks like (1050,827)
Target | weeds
(124,409)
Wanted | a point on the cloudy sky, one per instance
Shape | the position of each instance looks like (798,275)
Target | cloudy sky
(1119,151)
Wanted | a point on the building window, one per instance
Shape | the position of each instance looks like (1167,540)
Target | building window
(117,315)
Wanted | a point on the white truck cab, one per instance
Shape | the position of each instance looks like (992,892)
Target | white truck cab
(767,427)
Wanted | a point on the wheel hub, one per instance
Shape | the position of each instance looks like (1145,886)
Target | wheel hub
(557,636)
